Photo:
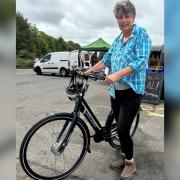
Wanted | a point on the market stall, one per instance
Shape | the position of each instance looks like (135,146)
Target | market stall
(93,52)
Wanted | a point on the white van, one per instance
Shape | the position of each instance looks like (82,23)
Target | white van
(57,63)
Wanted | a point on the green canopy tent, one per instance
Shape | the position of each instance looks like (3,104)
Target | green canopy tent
(98,45)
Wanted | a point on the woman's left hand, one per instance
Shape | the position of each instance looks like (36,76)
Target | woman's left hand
(112,78)
(108,81)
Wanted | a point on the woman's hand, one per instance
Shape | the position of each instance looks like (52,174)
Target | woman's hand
(108,81)
(97,67)
(113,77)
(87,72)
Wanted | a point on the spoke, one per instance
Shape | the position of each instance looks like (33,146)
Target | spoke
(64,161)
(48,132)
(43,139)
(40,165)
(53,134)
(55,164)
(71,152)
(52,156)
(75,145)
(61,162)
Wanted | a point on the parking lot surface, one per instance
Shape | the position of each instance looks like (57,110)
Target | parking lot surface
(37,96)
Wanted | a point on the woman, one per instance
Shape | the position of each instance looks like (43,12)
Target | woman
(127,59)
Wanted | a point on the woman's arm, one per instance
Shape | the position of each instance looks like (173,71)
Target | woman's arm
(114,77)
(143,49)
(97,67)
(106,61)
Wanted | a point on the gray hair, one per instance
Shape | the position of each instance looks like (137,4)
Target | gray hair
(124,7)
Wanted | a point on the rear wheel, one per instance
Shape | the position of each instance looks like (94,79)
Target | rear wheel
(63,72)
(40,156)
(114,142)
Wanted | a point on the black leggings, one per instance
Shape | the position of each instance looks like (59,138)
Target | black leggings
(125,106)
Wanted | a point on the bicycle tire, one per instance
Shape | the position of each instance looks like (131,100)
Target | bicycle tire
(114,142)
(34,161)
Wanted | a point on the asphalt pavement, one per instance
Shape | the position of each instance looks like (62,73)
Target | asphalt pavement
(37,96)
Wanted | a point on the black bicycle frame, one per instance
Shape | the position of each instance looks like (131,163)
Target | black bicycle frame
(89,115)
(81,106)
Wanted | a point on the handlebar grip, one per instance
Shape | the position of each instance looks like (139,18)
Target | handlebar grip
(93,75)
(97,77)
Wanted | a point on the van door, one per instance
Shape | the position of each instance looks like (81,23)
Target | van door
(45,63)
(64,67)
(60,61)
(54,64)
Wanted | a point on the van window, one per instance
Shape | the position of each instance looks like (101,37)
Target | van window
(46,58)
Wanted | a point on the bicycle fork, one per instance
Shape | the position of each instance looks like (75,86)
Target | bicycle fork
(60,145)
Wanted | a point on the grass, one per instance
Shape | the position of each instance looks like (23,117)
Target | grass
(23,63)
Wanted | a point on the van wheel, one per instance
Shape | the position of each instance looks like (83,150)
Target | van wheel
(38,71)
(63,72)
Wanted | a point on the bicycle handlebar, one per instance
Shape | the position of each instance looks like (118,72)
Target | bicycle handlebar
(97,77)
(93,75)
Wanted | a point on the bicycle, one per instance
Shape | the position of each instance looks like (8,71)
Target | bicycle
(59,156)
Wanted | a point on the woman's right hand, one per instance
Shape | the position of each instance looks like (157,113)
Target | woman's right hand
(88,72)
(97,67)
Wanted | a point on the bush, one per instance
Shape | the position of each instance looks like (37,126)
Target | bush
(24,54)
(23,63)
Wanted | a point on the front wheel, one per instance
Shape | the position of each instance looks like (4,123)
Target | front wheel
(114,141)
(40,156)
(38,71)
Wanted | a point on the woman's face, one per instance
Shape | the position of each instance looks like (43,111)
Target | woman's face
(125,22)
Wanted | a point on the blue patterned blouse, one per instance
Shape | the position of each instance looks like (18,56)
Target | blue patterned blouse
(134,53)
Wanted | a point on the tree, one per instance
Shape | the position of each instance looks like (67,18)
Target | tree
(24,37)
(33,43)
